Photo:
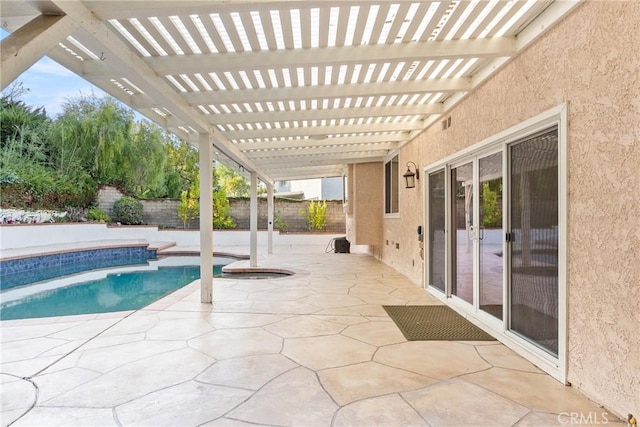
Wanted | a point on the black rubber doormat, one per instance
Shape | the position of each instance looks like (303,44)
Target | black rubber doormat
(434,323)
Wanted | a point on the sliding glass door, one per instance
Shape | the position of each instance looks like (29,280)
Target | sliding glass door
(533,239)
(490,235)
(493,236)
(436,234)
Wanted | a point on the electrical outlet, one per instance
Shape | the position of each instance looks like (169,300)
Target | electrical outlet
(397,245)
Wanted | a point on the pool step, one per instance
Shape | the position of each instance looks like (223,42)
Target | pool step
(160,246)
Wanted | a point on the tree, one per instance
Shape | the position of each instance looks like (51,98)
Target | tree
(221,209)
(181,169)
(91,133)
(233,183)
(491,209)
(23,129)
(189,207)
(144,177)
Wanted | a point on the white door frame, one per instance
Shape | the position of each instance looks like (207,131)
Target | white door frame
(554,366)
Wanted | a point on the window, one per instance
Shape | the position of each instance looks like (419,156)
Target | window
(391,186)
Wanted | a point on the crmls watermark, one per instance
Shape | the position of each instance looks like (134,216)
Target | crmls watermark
(583,418)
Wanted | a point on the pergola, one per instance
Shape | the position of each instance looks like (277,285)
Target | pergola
(282,90)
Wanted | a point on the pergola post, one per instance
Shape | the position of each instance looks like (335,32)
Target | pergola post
(205,153)
(270,218)
(253,221)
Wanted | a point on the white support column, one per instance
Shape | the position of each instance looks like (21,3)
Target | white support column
(31,42)
(253,221)
(205,151)
(270,218)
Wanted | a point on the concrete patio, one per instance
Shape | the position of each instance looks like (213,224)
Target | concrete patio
(314,349)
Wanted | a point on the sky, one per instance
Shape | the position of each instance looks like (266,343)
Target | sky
(50,84)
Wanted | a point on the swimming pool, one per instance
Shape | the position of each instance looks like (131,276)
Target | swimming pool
(103,291)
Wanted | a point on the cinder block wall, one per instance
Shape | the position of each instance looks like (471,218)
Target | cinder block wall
(164,212)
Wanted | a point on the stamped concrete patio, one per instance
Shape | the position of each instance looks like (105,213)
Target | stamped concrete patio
(314,349)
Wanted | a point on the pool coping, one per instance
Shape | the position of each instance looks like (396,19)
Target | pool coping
(36,251)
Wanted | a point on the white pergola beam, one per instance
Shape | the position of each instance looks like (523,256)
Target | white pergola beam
(321,150)
(325,114)
(341,140)
(29,43)
(342,148)
(333,91)
(292,176)
(322,131)
(342,55)
(320,159)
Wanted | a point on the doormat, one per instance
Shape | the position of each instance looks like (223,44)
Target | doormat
(434,323)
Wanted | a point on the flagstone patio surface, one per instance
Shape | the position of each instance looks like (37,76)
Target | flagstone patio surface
(313,349)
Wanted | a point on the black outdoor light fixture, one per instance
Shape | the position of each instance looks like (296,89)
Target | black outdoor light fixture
(410,177)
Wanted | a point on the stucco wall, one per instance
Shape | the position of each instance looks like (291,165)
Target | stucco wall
(591,61)
(365,204)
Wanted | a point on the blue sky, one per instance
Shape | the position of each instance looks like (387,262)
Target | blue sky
(50,84)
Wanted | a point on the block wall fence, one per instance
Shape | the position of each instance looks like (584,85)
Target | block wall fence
(164,212)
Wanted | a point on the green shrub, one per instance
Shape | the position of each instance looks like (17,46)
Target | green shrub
(221,207)
(316,215)
(98,215)
(34,186)
(128,211)
(279,223)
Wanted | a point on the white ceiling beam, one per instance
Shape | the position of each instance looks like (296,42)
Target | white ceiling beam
(140,9)
(29,43)
(310,143)
(283,153)
(321,159)
(307,173)
(342,55)
(322,131)
(332,91)
(325,114)
(396,139)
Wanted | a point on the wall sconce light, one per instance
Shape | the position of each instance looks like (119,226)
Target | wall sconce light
(410,177)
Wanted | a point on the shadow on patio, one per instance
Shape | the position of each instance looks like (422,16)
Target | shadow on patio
(314,349)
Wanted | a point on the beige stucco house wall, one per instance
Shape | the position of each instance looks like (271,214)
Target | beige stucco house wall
(365,203)
(591,62)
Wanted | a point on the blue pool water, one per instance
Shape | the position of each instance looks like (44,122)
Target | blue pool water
(130,290)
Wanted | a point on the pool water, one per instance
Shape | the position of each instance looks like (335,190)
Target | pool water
(130,290)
